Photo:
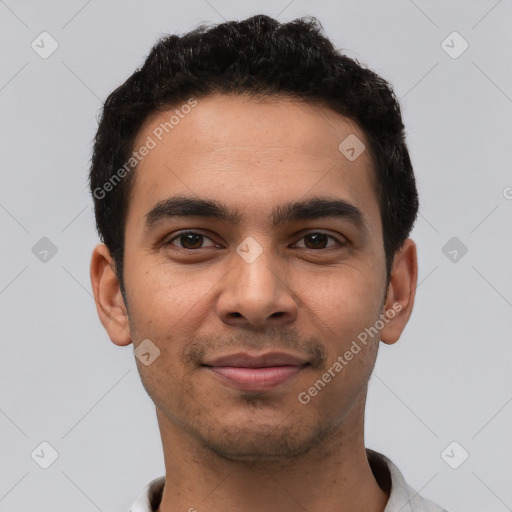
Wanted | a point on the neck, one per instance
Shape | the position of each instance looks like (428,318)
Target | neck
(334,476)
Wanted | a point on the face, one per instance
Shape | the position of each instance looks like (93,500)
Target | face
(254,262)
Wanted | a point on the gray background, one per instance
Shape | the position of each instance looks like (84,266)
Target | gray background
(448,379)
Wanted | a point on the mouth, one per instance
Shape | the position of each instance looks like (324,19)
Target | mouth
(256,373)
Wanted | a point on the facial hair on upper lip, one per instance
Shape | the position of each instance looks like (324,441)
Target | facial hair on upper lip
(201,346)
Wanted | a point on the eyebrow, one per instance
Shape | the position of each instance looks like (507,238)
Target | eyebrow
(313,208)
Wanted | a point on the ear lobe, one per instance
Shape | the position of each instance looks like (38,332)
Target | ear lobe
(110,305)
(401,292)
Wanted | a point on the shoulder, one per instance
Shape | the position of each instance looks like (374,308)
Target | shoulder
(420,504)
(402,497)
(150,497)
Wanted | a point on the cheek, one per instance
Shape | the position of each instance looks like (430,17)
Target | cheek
(340,304)
(343,310)
(163,297)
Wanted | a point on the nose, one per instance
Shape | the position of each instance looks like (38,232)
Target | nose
(256,293)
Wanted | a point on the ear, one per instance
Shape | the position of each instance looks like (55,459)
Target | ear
(107,295)
(401,292)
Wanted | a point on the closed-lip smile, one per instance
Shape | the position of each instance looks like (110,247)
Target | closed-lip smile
(256,372)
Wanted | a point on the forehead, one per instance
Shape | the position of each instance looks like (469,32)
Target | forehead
(252,153)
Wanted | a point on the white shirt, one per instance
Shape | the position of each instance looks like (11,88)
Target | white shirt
(402,498)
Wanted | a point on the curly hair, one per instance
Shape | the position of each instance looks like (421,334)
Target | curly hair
(258,56)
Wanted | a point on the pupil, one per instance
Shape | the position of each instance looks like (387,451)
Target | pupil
(317,238)
(187,240)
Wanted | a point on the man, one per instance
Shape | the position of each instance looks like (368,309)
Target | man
(254,194)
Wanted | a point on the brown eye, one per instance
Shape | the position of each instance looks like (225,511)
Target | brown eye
(189,240)
(318,240)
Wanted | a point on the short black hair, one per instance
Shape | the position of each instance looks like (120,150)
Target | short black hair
(258,56)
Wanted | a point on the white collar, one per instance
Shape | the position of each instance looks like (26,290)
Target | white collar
(402,497)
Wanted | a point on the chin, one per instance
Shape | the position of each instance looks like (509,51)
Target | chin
(260,443)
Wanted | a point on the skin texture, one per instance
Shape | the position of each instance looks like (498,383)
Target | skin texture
(226,449)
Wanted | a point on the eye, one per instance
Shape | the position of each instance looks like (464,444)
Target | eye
(318,240)
(189,240)
(192,240)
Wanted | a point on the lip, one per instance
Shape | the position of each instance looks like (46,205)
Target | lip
(256,373)
(247,360)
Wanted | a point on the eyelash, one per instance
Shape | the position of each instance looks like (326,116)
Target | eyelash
(177,236)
